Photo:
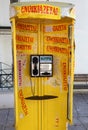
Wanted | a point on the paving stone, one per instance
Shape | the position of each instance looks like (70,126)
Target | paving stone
(82,110)
(75,113)
(3,116)
(84,121)
(11,114)
(78,127)
(1,127)
(76,122)
(10,128)
(71,127)
(10,123)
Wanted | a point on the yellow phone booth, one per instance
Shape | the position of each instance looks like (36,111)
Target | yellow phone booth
(43,53)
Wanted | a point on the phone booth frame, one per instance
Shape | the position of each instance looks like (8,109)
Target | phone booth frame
(47,15)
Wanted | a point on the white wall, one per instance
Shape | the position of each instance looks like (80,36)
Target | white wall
(4,13)
(5,40)
(5,49)
(6,100)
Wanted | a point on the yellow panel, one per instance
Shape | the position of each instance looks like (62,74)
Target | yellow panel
(54,113)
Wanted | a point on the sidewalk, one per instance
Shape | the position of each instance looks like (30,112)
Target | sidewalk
(6,119)
(80,114)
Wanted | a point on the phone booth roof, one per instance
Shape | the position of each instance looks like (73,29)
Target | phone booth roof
(42,10)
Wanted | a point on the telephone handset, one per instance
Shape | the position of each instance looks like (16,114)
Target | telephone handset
(35,69)
(34,66)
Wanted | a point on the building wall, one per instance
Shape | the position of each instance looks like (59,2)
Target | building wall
(6,49)
(5,40)
(6,100)
(4,13)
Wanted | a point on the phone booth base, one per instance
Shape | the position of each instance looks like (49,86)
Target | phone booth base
(43,52)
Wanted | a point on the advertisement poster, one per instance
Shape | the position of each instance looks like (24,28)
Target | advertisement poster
(56,42)
(26,44)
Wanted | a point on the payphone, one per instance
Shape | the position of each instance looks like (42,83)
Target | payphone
(41,65)
(43,53)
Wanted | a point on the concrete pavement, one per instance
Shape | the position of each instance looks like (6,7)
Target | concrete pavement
(80,112)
